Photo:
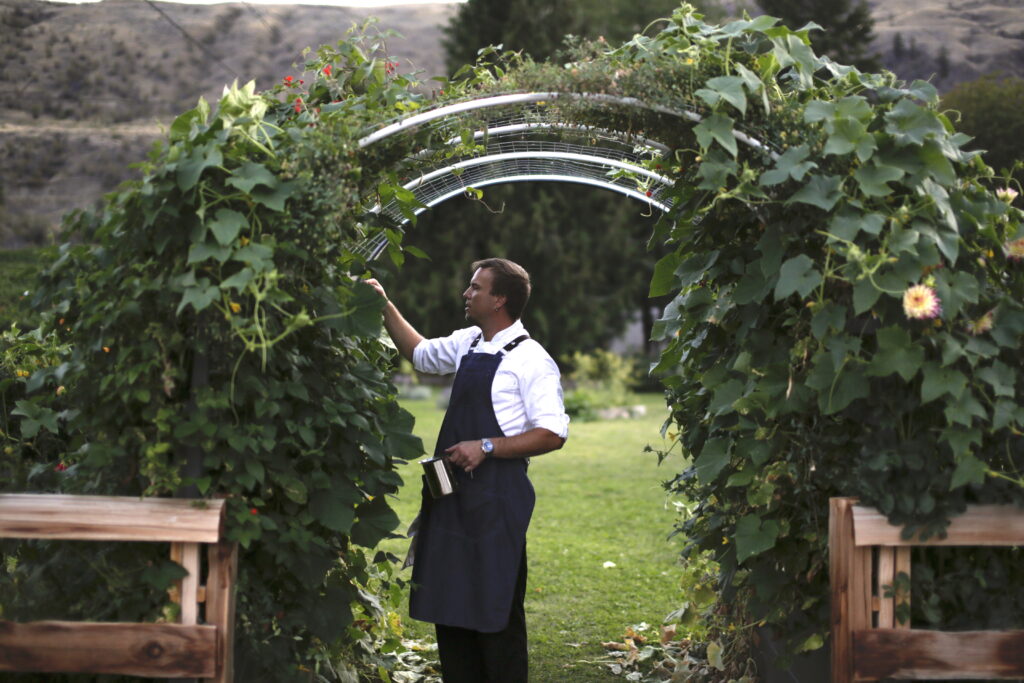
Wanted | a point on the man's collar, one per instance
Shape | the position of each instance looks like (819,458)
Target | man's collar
(509,333)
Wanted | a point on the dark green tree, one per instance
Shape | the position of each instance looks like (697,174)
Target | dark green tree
(584,248)
(848,27)
(991,111)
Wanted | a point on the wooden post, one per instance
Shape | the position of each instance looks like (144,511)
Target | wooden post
(220,605)
(850,577)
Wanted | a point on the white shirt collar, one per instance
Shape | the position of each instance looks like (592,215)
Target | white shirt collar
(514,330)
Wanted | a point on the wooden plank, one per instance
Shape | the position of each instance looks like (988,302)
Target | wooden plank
(220,605)
(849,576)
(188,587)
(988,525)
(903,654)
(151,650)
(110,518)
(903,567)
(886,576)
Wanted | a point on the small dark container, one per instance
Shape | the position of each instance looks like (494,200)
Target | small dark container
(440,476)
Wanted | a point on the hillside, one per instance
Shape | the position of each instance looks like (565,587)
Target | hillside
(85,89)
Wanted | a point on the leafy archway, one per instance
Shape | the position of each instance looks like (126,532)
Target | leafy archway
(211,315)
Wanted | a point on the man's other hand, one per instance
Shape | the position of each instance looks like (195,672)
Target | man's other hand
(466,454)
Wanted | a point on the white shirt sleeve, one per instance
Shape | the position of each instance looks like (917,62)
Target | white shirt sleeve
(542,394)
(441,356)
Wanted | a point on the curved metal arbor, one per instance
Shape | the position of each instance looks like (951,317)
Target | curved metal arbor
(525,141)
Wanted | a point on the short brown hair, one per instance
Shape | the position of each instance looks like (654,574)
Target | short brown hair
(510,280)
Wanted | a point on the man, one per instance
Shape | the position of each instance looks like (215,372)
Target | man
(469,573)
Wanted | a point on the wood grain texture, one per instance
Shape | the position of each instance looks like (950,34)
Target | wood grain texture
(905,654)
(988,525)
(886,576)
(150,650)
(110,518)
(220,604)
(850,579)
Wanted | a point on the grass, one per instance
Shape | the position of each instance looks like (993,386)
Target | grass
(599,499)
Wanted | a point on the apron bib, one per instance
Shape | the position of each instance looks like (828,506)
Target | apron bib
(470,543)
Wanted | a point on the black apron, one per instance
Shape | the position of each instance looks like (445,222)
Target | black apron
(470,544)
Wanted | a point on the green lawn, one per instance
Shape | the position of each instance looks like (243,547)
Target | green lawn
(599,499)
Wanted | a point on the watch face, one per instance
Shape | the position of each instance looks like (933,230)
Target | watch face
(486,445)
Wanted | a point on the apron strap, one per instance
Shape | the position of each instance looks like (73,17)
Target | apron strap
(508,347)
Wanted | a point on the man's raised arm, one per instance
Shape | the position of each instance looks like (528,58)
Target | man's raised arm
(404,335)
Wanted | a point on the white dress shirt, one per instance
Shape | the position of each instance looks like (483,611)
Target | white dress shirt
(527,389)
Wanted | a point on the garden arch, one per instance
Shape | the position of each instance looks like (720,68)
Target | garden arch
(804,200)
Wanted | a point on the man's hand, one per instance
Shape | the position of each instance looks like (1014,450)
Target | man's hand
(466,454)
(378,286)
(402,333)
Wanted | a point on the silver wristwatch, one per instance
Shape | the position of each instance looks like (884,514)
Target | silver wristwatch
(487,446)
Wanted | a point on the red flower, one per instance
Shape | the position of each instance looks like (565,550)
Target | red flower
(287,80)
(60,467)
(327,70)
(253,511)
(301,81)
(649,193)
(298,105)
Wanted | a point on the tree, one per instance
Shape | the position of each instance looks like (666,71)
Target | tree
(991,110)
(847,25)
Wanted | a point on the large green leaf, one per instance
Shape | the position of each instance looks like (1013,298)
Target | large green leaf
(714,456)
(896,353)
(250,174)
(754,536)
(939,381)
(375,520)
(227,224)
(873,179)
(820,191)
(198,160)
(791,165)
(332,510)
(716,127)
(798,275)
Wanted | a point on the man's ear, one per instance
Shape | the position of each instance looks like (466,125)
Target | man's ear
(501,302)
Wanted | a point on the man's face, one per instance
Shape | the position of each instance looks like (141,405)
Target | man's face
(480,303)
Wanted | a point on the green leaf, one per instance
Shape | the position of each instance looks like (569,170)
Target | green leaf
(896,353)
(226,225)
(865,295)
(712,459)
(716,127)
(250,174)
(199,297)
(969,470)
(239,280)
(198,160)
(799,275)
(275,198)
(332,511)
(663,281)
(909,123)
(791,164)
(730,88)
(754,536)
(846,134)
(202,251)
(873,178)
(374,521)
(830,317)
(820,191)
(847,224)
(939,381)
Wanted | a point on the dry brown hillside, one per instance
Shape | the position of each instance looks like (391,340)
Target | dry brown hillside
(84,89)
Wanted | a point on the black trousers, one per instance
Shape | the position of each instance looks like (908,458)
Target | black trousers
(474,657)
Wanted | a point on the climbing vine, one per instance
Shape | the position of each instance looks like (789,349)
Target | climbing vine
(846,313)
